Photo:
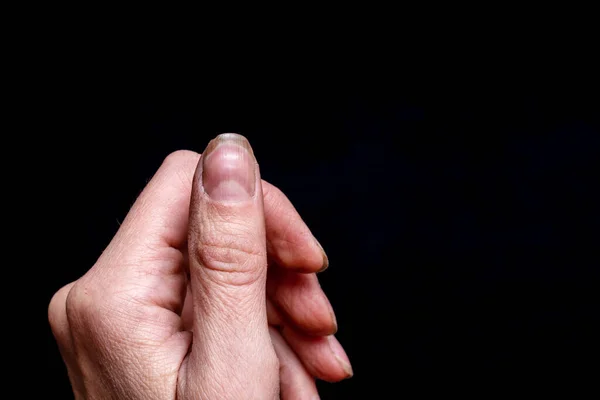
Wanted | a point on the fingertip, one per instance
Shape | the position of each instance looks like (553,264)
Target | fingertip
(296,249)
(292,244)
(301,301)
(340,355)
(325,259)
(321,356)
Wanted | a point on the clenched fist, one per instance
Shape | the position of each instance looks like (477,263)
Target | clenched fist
(207,291)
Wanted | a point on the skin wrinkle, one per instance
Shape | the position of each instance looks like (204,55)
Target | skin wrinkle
(226,258)
(230,280)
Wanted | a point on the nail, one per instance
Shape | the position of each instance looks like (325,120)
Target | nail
(325,258)
(228,168)
(331,314)
(340,355)
(334,319)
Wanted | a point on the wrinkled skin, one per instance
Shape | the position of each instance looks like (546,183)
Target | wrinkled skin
(207,291)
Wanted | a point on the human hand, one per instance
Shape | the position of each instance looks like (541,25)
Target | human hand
(151,320)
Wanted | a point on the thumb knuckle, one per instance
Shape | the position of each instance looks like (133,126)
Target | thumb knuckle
(236,255)
(57,316)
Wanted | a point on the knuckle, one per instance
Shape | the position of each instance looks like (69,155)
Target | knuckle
(91,314)
(180,158)
(231,254)
(57,309)
(121,311)
(81,308)
(236,257)
(181,165)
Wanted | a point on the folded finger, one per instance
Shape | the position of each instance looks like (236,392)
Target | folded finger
(289,241)
(301,300)
(295,382)
(322,356)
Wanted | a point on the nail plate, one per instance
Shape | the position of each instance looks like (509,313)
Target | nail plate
(228,168)
(340,355)
(325,258)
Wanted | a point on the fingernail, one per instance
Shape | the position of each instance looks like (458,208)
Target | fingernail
(331,314)
(334,319)
(325,259)
(340,355)
(228,168)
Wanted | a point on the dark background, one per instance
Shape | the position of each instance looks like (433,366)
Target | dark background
(461,222)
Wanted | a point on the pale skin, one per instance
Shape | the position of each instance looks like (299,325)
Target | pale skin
(207,291)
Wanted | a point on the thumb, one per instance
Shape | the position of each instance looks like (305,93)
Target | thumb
(231,348)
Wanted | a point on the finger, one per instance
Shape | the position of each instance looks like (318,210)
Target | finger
(295,381)
(302,301)
(159,216)
(228,265)
(144,259)
(320,360)
(289,241)
(322,356)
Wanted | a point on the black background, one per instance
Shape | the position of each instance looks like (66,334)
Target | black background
(461,222)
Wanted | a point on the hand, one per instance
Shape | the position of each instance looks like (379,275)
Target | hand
(152,320)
